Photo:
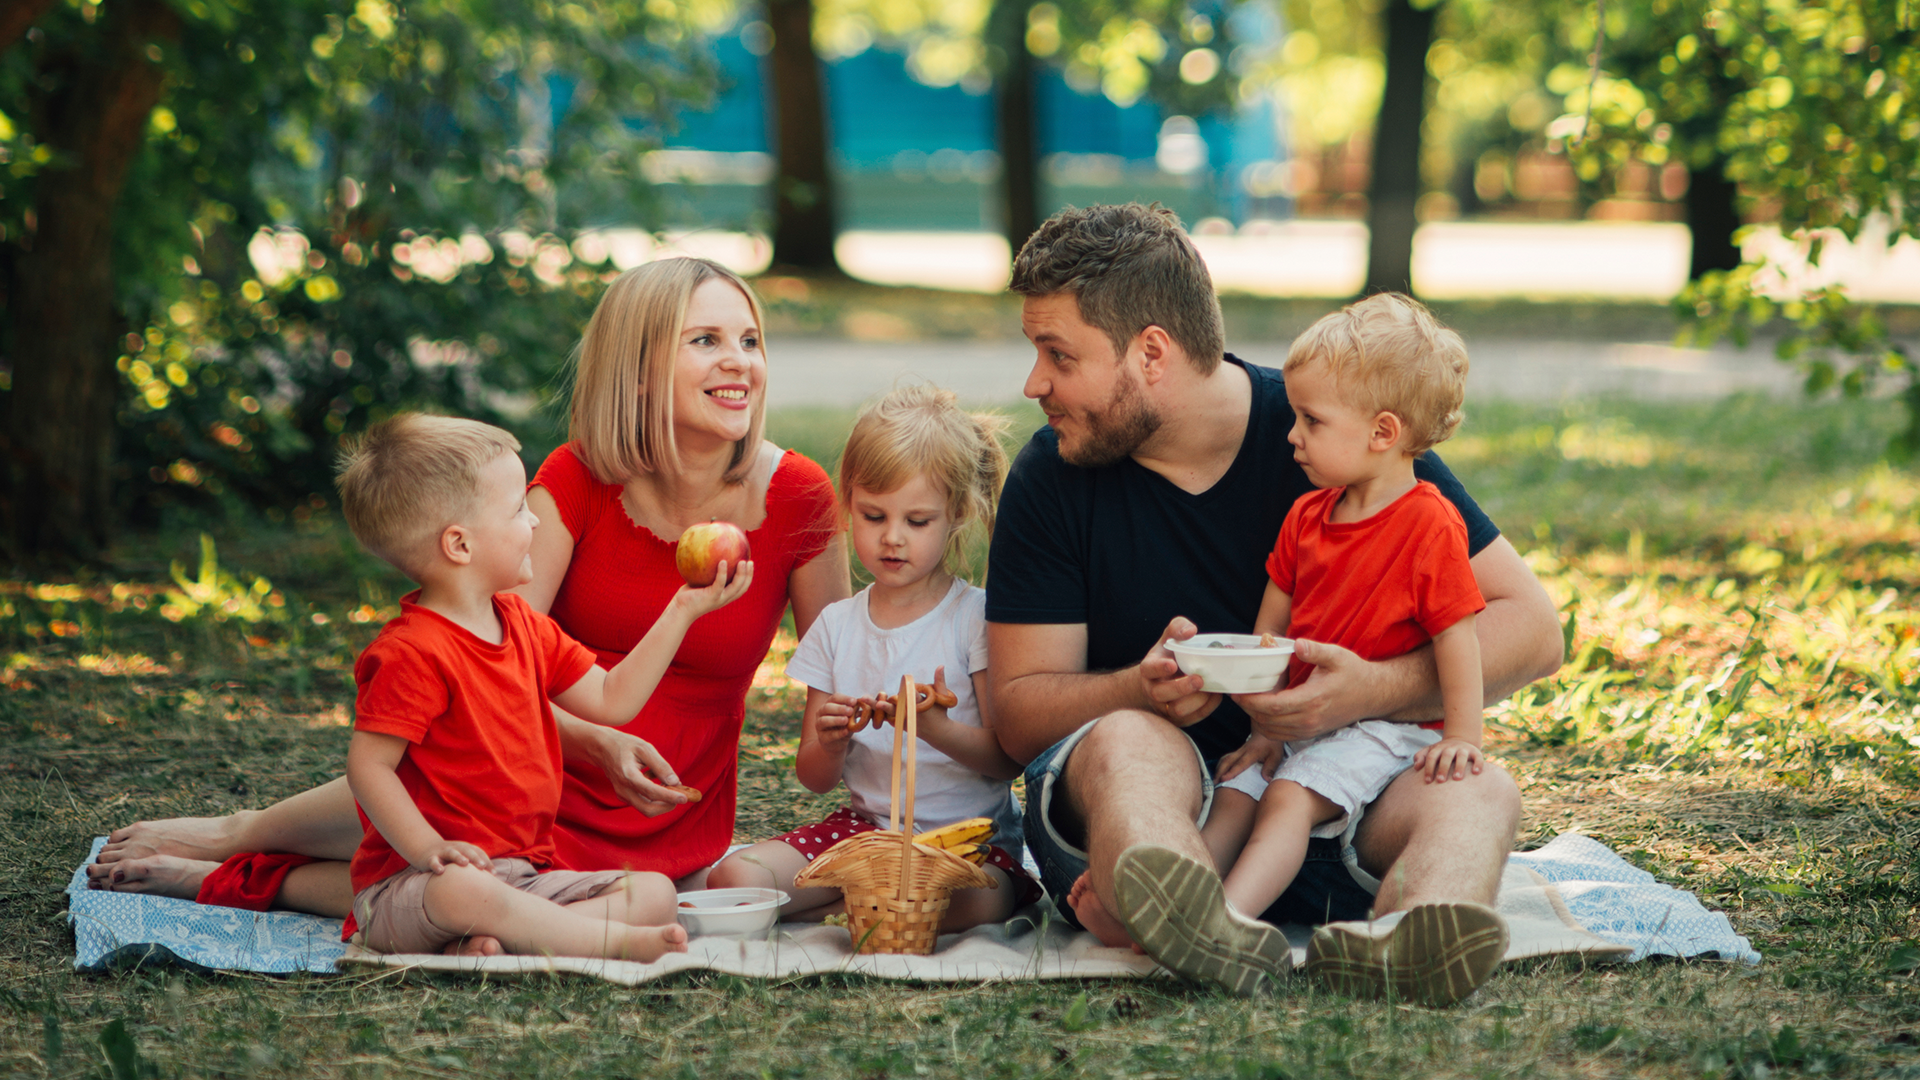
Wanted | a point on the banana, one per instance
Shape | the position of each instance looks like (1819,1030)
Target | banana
(967,839)
(973,853)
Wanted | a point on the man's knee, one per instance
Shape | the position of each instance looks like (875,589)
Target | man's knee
(1133,755)
(1484,807)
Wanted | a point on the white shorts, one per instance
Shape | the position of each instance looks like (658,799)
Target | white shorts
(1351,767)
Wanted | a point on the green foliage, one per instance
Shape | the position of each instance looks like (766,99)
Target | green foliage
(345,210)
(218,595)
(1814,109)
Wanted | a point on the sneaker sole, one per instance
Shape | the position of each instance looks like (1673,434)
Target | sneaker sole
(1437,955)
(1174,907)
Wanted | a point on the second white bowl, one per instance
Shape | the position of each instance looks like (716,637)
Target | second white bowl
(711,912)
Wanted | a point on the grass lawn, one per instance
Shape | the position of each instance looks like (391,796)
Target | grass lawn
(1739,714)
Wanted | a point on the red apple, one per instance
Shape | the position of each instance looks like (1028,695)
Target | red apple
(704,547)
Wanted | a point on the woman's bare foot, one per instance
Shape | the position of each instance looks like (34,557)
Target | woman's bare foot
(155,875)
(649,943)
(1096,918)
(208,839)
(477,945)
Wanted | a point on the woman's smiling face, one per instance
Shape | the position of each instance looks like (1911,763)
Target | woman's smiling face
(720,371)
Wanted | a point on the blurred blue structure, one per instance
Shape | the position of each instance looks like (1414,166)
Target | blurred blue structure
(916,156)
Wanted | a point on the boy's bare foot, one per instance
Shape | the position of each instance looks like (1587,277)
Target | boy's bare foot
(477,945)
(1096,918)
(649,943)
(209,839)
(155,875)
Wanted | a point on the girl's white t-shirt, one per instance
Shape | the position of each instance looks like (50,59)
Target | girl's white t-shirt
(845,653)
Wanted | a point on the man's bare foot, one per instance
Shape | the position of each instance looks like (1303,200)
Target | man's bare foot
(477,945)
(1096,918)
(155,875)
(649,943)
(209,839)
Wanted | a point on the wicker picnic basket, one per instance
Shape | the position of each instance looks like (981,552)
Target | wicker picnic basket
(897,891)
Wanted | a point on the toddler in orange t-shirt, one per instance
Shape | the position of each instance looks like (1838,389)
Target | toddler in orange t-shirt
(455,758)
(1375,562)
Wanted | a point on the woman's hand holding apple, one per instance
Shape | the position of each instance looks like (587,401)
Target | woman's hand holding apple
(730,585)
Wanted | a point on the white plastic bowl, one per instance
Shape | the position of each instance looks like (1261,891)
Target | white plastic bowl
(1233,663)
(710,912)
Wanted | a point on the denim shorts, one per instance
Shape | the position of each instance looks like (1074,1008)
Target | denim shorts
(1330,887)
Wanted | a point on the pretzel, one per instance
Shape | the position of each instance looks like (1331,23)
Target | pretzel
(866,713)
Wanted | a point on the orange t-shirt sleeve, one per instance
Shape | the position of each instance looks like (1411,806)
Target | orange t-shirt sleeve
(1445,591)
(1283,563)
(567,659)
(399,692)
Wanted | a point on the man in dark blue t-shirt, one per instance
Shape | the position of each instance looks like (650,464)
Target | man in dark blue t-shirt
(1145,511)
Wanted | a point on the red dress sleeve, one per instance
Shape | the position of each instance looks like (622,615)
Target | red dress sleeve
(806,493)
(574,489)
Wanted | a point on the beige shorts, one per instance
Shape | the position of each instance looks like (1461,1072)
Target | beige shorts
(392,912)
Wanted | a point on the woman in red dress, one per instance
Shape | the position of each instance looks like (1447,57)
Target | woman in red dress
(668,409)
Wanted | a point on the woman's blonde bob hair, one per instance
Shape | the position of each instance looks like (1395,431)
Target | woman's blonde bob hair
(621,421)
(920,430)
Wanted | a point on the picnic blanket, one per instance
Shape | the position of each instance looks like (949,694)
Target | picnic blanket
(1573,896)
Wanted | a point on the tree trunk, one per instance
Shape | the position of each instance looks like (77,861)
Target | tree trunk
(1014,109)
(63,310)
(803,215)
(1712,218)
(1396,149)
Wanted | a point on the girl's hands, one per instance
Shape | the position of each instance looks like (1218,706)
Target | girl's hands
(723,591)
(437,858)
(1448,759)
(832,725)
(934,701)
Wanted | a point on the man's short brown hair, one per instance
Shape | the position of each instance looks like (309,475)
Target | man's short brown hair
(1128,267)
(407,478)
(1388,353)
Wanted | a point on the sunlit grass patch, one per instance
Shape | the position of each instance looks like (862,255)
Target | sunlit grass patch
(1797,647)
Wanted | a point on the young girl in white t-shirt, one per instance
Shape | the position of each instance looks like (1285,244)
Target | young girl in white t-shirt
(917,474)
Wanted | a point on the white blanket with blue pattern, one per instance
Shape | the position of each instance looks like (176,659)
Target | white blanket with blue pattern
(1592,889)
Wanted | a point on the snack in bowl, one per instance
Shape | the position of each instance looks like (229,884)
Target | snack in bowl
(1234,663)
(718,912)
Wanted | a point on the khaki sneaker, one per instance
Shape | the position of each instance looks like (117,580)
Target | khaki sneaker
(1175,909)
(1434,954)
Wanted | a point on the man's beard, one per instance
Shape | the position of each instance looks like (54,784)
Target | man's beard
(1114,432)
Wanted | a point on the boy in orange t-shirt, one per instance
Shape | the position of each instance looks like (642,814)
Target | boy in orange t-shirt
(455,758)
(1375,562)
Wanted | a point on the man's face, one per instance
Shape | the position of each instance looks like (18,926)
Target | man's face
(1093,399)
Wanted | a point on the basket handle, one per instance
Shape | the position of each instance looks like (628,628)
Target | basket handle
(906,741)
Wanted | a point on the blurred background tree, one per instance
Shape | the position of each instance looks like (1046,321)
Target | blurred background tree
(231,230)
